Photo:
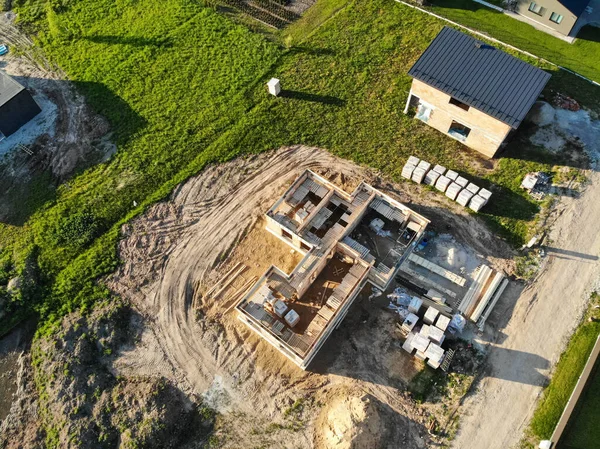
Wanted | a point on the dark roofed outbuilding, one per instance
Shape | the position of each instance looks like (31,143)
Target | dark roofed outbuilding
(480,76)
(17,106)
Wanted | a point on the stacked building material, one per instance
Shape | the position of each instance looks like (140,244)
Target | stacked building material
(453,190)
(464,197)
(442,183)
(456,187)
(483,294)
(480,199)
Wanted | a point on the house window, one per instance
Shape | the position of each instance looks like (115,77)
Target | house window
(556,18)
(304,246)
(459,131)
(286,234)
(423,112)
(536,9)
(458,103)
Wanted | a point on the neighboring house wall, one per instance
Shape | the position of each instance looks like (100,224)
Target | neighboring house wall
(487,133)
(549,7)
(17,112)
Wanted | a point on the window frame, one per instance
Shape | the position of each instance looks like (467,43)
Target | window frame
(539,12)
(557,15)
(459,104)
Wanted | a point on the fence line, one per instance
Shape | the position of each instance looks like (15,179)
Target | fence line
(485,36)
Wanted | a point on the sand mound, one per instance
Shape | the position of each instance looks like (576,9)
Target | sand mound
(351,423)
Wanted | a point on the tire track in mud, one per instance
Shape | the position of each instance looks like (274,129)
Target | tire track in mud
(176,244)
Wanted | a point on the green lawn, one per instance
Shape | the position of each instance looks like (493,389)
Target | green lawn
(184,85)
(584,432)
(583,56)
(564,379)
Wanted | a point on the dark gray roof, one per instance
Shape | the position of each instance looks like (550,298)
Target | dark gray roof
(480,75)
(575,6)
(8,88)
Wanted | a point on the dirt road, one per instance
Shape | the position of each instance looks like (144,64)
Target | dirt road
(524,351)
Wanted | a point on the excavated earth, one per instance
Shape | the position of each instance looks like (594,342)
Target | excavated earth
(179,248)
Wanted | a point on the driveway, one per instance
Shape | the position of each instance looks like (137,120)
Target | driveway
(538,322)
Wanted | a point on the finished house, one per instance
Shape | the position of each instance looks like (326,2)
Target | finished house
(566,17)
(17,106)
(471,91)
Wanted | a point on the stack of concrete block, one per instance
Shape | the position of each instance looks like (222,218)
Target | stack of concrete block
(452,175)
(456,187)
(442,183)
(479,200)
(453,190)
(464,197)
(420,172)
(439,169)
(462,181)
(409,168)
(431,177)
(418,175)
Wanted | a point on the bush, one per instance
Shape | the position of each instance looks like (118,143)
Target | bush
(78,229)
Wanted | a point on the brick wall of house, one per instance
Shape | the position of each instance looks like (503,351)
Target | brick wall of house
(487,133)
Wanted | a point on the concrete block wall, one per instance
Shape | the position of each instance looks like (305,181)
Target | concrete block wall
(487,133)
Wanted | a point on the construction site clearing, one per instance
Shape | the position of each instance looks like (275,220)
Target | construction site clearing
(349,240)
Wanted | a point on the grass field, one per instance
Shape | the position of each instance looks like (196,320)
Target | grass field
(187,89)
(583,56)
(584,431)
(564,379)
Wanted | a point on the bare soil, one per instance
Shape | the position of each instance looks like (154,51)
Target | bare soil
(66,136)
(180,248)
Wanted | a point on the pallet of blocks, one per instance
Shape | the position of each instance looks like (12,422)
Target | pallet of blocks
(431,177)
(453,190)
(442,183)
(479,200)
(464,197)
(410,166)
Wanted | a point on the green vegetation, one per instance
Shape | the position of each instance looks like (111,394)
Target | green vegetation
(183,86)
(566,374)
(584,431)
(583,56)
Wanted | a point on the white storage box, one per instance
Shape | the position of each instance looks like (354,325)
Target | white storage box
(442,183)
(436,335)
(279,308)
(453,190)
(451,174)
(464,197)
(418,175)
(431,177)
(274,86)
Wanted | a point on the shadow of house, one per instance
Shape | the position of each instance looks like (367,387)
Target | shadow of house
(27,178)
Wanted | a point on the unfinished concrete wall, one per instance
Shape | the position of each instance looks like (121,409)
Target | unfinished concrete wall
(487,133)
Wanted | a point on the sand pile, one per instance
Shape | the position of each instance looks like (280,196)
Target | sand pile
(351,422)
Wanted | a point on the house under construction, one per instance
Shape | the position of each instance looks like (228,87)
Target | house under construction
(347,240)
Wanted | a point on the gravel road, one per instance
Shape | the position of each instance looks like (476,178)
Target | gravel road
(540,319)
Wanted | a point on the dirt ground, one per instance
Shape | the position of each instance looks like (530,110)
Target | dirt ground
(532,325)
(64,137)
(180,248)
